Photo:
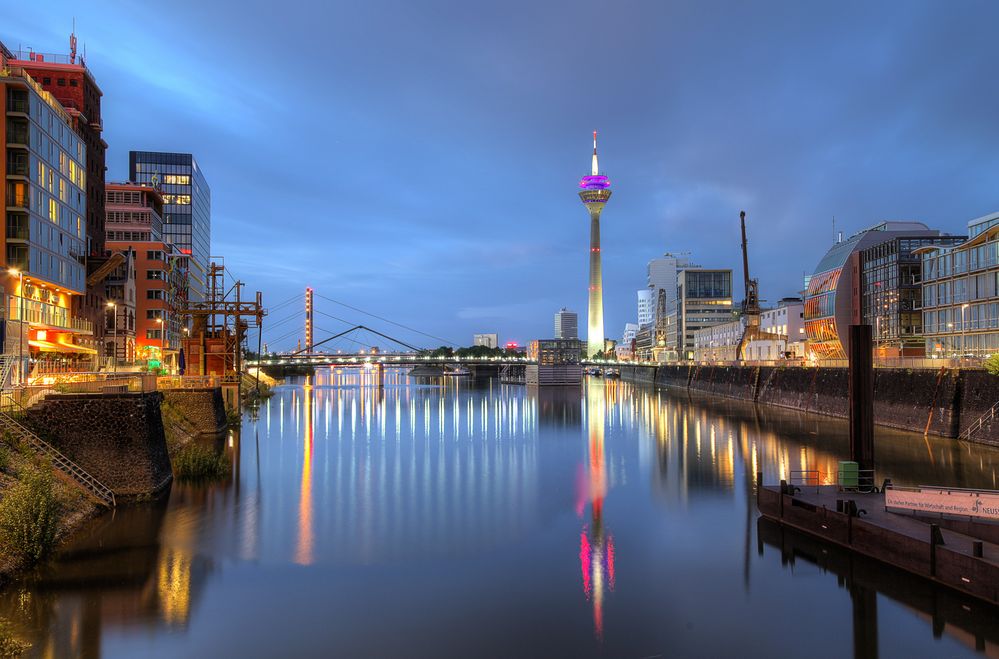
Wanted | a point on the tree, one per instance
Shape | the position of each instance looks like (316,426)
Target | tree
(992,364)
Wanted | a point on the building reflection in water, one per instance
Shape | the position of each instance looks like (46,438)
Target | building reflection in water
(410,472)
(303,550)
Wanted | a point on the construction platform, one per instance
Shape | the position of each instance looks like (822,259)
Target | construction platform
(964,560)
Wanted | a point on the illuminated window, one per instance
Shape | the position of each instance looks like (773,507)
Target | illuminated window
(177,179)
(53,210)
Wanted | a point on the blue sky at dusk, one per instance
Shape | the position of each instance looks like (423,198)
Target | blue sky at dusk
(420,159)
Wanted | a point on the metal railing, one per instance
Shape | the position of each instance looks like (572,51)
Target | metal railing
(186,382)
(861,480)
(805,478)
(988,417)
(18,433)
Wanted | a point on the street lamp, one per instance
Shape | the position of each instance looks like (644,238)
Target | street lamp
(162,339)
(114,335)
(14,272)
(964,348)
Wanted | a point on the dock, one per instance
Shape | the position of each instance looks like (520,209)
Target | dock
(927,546)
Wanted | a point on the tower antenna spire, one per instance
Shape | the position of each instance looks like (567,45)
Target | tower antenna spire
(595,168)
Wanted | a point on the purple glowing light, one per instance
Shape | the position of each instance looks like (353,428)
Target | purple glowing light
(594,182)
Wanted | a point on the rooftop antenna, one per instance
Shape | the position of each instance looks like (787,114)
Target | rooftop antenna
(72,43)
(834,228)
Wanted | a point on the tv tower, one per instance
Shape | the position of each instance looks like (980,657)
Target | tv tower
(595,191)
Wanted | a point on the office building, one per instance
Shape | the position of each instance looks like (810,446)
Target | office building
(891,293)
(134,226)
(782,333)
(719,343)
(68,79)
(186,208)
(487,340)
(44,245)
(647,307)
(704,298)
(594,193)
(566,324)
(558,362)
(835,294)
(120,291)
(959,293)
(662,273)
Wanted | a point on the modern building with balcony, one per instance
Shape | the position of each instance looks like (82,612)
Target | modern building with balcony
(45,237)
(855,284)
(960,293)
(186,208)
(68,79)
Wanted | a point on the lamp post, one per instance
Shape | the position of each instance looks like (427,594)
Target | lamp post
(964,348)
(14,272)
(114,335)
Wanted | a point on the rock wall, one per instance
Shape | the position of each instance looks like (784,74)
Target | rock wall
(202,410)
(117,438)
(940,402)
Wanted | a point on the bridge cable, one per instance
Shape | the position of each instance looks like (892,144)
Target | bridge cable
(406,327)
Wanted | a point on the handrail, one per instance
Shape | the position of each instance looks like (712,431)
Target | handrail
(60,461)
(977,425)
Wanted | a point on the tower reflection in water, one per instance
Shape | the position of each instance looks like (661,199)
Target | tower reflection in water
(596,544)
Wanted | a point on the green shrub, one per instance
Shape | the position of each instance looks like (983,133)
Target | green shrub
(10,645)
(29,513)
(234,418)
(992,364)
(196,462)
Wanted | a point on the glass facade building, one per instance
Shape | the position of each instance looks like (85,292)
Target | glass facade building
(833,299)
(186,207)
(703,299)
(891,293)
(46,190)
(960,293)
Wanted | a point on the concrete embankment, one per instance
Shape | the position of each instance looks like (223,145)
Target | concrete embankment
(940,402)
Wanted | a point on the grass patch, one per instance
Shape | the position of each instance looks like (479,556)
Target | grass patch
(29,515)
(10,644)
(196,462)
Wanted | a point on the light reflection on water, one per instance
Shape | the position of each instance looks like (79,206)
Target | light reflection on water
(486,520)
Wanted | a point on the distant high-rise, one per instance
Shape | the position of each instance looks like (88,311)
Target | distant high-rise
(487,340)
(566,324)
(662,275)
(187,207)
(646,307)
(595,191)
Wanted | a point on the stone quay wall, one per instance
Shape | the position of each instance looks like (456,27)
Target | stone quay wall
(940,402)
(117,438)
(203,410)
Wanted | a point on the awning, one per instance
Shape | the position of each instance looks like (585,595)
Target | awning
(46,346)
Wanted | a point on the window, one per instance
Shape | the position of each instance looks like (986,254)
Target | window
(154,255)
(177,179)
(154,334)
(72,83)
(154,314)
(157,294)
(155,274)
(61,82)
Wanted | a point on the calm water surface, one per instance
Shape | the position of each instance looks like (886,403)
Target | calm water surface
(447,519)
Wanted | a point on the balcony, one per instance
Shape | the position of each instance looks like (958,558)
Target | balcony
(17,104)
(41,313)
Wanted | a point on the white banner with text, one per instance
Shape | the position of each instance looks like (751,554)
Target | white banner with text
(949,502)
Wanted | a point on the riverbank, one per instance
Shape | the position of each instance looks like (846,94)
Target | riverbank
(942,402)
(75,505)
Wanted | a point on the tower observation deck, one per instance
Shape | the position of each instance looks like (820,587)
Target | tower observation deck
(594,192)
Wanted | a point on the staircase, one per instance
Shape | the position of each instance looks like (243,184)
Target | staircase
(983,421)
(17,432)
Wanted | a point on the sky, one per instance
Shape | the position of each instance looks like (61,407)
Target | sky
(419,160)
